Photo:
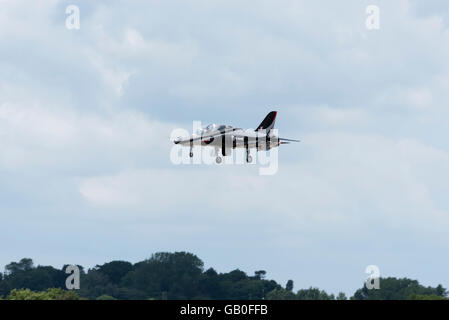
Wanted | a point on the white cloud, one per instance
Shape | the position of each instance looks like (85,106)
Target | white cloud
(349,177)
(35,135)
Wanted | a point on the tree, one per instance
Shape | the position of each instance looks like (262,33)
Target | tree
(105,297)
(174,275)
(397,289)
(281,294)
(259,275)
(426,297)
(289,285)
(115,270)
(180,275)
(49,294)
(440,291)
(23,274)
(95,284)
(314,294)
(235,275)
(209,285)
(25,264)
(341,296)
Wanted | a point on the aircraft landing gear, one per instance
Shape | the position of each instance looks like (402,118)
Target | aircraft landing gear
(191,154)
(218,160)
(248,156)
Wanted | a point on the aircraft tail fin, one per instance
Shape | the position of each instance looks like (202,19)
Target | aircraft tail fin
(268,122)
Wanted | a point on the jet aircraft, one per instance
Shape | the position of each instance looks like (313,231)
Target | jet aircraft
(224,138)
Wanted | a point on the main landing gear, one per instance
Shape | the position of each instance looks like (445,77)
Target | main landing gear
(248,156)
(218,159)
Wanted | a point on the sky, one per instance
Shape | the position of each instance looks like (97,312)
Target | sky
(86,117)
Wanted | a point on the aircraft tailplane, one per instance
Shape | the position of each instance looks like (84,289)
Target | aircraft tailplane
(268,122)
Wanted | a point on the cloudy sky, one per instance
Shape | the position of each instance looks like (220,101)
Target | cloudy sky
(86,116)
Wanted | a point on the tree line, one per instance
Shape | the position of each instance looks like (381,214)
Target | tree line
(180,275)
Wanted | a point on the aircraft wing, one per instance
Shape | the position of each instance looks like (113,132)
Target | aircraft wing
(255,134)
(212,134)
(249,134)
(290,140)
(239,133)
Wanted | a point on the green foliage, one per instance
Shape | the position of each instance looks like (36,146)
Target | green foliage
(341,296)
(426,297)
(166,275)
(397,289)
(180,275)
(49,294)
(305,294)
(105,297)
(281,294)
(260,274)
(23,274)
(94,284)
(314,294)
(289,285)
(25,264)
(115,270)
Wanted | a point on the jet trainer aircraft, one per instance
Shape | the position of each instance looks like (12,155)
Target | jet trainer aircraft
(225,138)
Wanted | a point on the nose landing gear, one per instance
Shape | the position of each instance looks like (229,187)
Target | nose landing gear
(218,159)
(248,156)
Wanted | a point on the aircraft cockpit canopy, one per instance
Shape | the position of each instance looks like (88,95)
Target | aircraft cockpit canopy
(212,127)
(223,127)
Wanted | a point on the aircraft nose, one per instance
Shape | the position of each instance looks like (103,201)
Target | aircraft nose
(177,140)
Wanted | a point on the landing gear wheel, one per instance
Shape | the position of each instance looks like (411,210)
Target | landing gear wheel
(218,160)
(191,154)
(249,159)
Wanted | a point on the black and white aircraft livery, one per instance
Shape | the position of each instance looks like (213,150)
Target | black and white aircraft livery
(225,138)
